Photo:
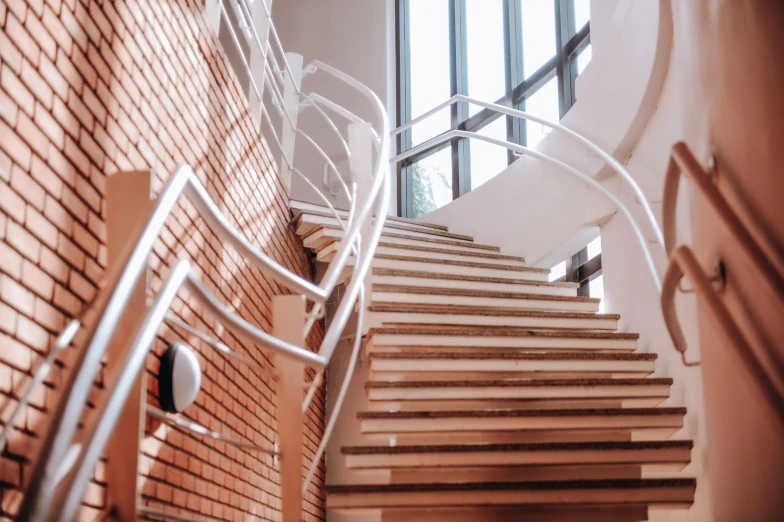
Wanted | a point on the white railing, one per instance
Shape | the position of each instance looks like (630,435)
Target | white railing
(68,455)
(612,162)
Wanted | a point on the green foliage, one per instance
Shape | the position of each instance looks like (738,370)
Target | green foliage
(423,182)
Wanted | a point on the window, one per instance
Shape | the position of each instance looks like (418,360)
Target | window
(524,54)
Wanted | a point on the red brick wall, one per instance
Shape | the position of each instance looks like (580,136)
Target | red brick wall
(89,88)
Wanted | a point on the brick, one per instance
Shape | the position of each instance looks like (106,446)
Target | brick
(58,216)
(37,6)
(5,171)
(87,23)
(106,143)
(41,228)
(70,253)
(117,134)
(94,104)
(81,287)
(50,127)
(15,354)
(69,72)
(74,28)
(8,109)
(80,110)
(65,300)
(10,55)
(53,265)
(77,157)
(88,193)
(75,205)
(52,75)
(93,272)
(37,280)
(57,30)
(3,12)
(23,242)
(32,334)
(22,39)
(10,261)
(48,316)
(41,34)
(14,146)
(11,203)
(16,296)
(84,239)
(17,90)
(37,85)
(63,115)
(7,323)
(62,167)
(30,132)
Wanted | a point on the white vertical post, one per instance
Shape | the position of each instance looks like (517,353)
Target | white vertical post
(288,321)
(360,143)
(261,21)
(212,13)
(288,138)
(128,203)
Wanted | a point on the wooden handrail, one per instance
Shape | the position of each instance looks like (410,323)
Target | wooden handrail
(684,262)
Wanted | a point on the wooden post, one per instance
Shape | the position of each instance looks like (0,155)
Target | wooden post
(360,142)
(128,203)
(288,320)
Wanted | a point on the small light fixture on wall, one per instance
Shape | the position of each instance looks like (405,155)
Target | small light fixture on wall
(179,379)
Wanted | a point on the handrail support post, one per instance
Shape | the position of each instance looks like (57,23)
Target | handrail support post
(288,320)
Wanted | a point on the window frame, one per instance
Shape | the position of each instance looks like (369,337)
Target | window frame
(569,44)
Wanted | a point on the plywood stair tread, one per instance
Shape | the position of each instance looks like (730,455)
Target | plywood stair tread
(525,446)
(474,279)
(507,413)
(510,355)
(498,331)
(468,264)
(533,485)
(389,224)
(297,207)
(483,311)
(509,383)
(336,232)
(464,253)
(452,292)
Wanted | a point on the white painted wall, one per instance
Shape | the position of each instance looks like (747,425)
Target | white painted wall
(354,36)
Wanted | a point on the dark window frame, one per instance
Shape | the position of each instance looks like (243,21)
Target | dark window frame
(569,44)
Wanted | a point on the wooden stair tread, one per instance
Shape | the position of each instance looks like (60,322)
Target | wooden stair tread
(410,227)
(483,311)
(571,412)
(438,240)
(487,255)
(553,356)
(478,279)
(497,331)
(468,264)
(459,292)
(523,446)
(511,486)
(294,208)
(653,381)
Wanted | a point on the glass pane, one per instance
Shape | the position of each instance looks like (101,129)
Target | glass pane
(557,272)
(538,22)
(487,159)
(431,180)
(582,13)
(429,57)
(485,50)
(583,59)
(594,248)
(596,290)
(542,103)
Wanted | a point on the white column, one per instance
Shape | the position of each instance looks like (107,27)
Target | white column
(258,55)
(288,137)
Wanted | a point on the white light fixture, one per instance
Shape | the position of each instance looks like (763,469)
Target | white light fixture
(179,379)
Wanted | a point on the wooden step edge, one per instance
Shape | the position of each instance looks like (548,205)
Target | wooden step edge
(462,253)
(512,486)
(524,446)
(514,355)
(467,264)
(393,272)
(295,221)
(452,292)
(433,239)
(501,331)
(468,310)
(341,209)
(508,413)
(519,383)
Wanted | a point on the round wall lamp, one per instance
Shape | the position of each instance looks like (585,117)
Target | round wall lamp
(179,379)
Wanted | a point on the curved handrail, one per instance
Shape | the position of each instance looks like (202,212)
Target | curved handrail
(612,162)
(561,165)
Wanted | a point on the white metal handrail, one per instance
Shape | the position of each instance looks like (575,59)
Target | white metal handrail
(452,134)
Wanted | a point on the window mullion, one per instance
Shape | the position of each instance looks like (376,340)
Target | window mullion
(515,75)
(404,140)
(461,159)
